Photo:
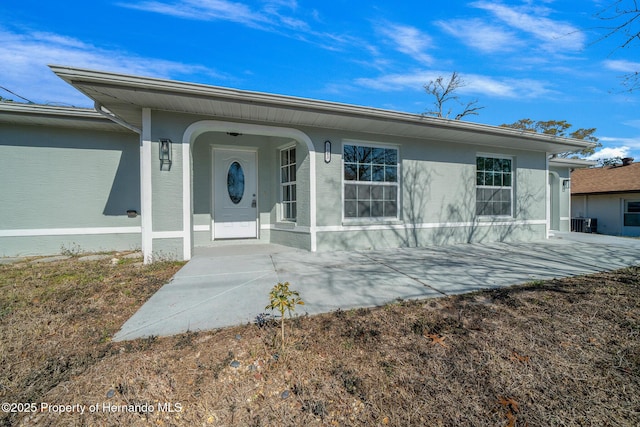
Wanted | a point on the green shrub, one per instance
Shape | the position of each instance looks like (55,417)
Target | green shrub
(283,299)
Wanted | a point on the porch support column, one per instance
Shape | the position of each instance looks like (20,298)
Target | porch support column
(312,196)
(186,199)
(146,207)
(548,196)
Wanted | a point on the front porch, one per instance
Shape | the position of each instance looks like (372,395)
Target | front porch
(235,181)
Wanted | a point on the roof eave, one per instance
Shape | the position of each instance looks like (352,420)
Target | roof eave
(77,76)
(571,163)
(61,116)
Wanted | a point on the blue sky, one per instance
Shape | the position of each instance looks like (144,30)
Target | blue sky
(521,59)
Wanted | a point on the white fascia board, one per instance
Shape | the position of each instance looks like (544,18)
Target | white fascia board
(50,110)
(571,163)
(170,87)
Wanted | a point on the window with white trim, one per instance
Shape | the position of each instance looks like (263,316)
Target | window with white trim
(494,186)
(371,188)
(632,213)
(288,196)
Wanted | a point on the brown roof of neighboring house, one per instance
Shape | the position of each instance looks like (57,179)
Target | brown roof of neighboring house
(612,179)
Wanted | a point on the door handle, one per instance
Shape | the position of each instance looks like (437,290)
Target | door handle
(253,202)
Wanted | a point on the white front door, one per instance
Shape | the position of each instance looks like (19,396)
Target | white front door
(235,212)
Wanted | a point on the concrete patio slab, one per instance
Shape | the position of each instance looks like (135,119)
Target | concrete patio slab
(229,284)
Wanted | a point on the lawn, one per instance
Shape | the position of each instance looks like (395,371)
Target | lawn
(555,353)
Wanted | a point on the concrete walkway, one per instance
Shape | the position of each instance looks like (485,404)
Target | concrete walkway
(229,285)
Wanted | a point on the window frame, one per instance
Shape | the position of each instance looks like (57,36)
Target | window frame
(282,215)
(511,187)
(626,213)
(381,184)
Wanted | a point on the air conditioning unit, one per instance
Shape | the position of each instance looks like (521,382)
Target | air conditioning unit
(584,225)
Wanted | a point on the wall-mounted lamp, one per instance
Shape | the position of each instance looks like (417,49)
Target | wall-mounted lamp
(327,151)
(165,154)
(132,213)
(566,184)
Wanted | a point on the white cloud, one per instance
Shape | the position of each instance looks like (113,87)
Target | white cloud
(556,36)
(622,65)
(481,35)
(628,142)
(276,16)
(202,10)
(474,84)
(399,82)
(408,40)
(618,147)
(609,152)
(633,123)
(24,59)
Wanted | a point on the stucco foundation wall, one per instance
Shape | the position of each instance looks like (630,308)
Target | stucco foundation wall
(167,249)
(74,244)
(71,180)
(401,237)
(289,238)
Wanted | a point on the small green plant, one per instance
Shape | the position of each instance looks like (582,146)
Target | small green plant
(283,299)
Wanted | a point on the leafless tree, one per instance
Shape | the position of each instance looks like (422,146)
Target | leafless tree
(444,91)
(623,18)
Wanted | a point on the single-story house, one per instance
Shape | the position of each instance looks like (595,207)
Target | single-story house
(610,195)
(168,166)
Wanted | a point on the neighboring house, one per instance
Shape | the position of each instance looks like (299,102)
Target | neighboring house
(168,166)
(611,195)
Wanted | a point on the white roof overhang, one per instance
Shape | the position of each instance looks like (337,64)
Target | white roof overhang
(571,163)
(54,116)
(125,96)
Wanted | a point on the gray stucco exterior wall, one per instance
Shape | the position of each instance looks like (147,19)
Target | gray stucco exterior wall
(67,189)
(87,180)
(438,196)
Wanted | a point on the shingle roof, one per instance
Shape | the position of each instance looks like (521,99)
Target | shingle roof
(613,179)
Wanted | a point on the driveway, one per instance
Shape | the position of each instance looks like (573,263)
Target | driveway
(229,284)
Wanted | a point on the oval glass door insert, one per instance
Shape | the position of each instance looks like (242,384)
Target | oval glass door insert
(235,182)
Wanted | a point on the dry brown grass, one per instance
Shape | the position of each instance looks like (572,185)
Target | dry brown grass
(556,353)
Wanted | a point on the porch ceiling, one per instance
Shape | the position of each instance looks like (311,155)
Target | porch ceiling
(126,95)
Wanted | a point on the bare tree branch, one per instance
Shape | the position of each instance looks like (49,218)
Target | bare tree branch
(445,91)
(615,12)
(625,15)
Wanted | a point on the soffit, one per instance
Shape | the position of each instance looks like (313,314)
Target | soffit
(125,96)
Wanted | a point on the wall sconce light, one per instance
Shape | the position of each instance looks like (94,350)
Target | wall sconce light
(132,213)
(165,154)
(327,151)
(566,184)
